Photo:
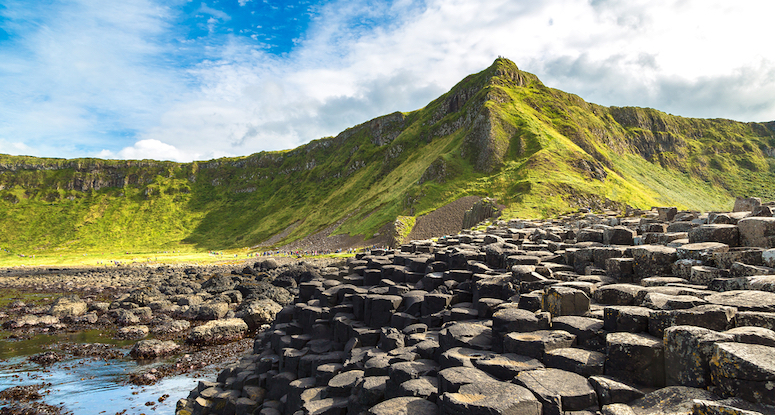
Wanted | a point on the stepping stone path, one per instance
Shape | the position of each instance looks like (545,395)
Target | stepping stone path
(660,311)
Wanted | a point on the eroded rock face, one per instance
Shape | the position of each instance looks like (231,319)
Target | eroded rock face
(525,317)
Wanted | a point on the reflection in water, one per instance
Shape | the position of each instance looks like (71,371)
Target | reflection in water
(91,385)
(37,343)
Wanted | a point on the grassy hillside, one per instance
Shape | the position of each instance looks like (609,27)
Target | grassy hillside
(499,133)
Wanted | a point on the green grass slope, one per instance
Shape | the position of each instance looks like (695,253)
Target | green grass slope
(499,133)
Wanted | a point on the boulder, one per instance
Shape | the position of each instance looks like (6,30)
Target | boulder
(132,332)
(68,306)
(151,349)
(258,312)
(218,331)
(451,379)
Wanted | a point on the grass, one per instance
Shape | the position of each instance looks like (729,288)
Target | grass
(545,152)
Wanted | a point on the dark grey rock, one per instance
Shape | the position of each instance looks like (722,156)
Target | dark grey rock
(670,400)
(611,390)
(635,357)
(489,398)
(404,406)
(688,350)
(559,391)
(745,370)
(535,344)
(451,379)
(506,366)
(584,362)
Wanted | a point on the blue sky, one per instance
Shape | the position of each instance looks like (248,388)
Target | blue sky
(194,80)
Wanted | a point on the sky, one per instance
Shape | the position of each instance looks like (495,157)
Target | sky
(196,80)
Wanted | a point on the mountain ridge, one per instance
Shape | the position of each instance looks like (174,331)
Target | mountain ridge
(499,133)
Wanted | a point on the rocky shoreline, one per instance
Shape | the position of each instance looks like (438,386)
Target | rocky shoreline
(655,312)
(191,316)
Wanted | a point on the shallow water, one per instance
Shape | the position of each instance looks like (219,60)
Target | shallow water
(36,344)
(92,385)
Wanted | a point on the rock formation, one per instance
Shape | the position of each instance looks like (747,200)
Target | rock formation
(665,311)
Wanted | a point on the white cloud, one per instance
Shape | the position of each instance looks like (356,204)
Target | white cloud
(361,59)
(147,149)
(644,53)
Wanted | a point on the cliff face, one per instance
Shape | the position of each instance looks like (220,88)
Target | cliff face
(500,133)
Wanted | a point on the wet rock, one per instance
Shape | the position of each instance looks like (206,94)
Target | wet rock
(151,349)
(46,358)
(172,326)
(132,332)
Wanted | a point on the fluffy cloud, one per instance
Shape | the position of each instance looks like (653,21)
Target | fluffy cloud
(148,149)
(111,87)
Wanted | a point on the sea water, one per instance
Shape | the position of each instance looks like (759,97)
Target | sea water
(91,385)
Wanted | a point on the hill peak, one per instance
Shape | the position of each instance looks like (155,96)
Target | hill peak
(505,72)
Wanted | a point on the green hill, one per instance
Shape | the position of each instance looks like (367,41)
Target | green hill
(499,133)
